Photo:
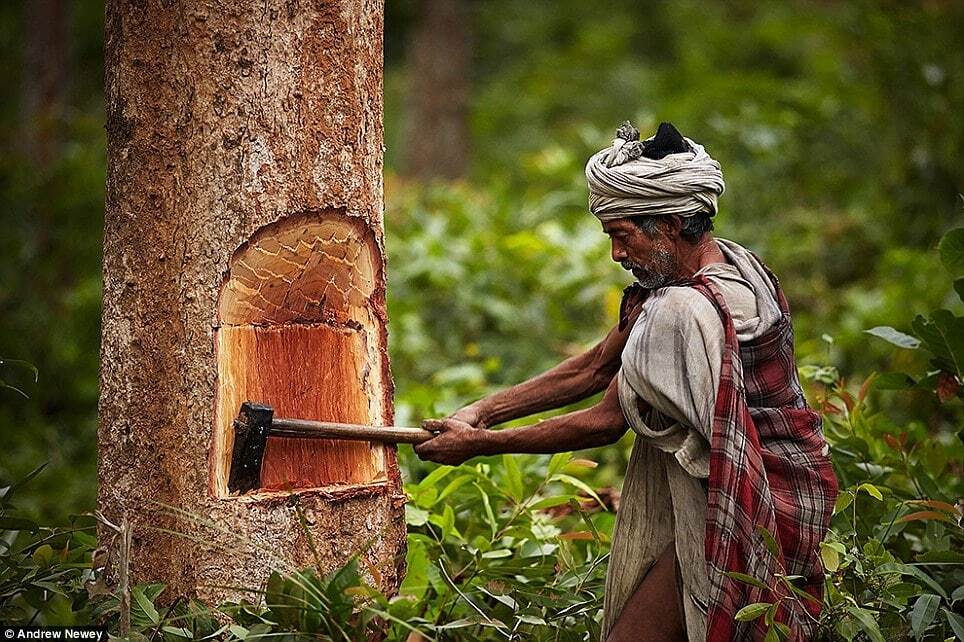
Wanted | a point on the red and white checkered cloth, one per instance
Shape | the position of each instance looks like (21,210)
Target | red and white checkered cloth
(769,469)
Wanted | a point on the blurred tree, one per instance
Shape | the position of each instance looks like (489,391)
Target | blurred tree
(44,79)
(439,73)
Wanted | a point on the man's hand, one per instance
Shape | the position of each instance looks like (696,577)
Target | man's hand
(455,442)
(472,415)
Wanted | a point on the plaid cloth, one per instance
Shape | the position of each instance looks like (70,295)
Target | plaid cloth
(769,469)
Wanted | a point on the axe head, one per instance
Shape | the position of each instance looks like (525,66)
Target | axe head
(250,438)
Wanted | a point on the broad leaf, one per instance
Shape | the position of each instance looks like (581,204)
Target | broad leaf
(867,622)
(951,248)
(895,337)
(925,609)
(752,611)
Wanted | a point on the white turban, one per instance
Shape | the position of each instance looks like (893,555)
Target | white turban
(624,183)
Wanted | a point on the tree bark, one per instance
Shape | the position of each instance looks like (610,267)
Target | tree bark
(437,128)
(244,259)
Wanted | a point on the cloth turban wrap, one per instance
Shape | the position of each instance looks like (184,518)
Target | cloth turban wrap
(623,182)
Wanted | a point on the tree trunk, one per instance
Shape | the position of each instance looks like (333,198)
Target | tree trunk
(437,135)
(244,259)
(44,78)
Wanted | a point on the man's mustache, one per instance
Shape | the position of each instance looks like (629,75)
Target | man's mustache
(630,266)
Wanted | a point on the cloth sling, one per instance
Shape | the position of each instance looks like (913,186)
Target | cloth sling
(769,469)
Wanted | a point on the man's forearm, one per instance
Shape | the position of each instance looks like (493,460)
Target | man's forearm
(457,441)
(566,383)
(588,428)
(572,380)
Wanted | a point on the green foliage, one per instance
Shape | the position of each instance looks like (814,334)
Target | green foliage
(43,570)
(510,548)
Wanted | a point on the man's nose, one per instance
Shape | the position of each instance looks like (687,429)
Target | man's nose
(618,253)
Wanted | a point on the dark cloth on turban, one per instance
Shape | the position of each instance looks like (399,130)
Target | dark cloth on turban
(624,181)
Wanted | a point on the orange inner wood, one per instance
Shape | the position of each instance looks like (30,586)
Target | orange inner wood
(305,372)
(297,332)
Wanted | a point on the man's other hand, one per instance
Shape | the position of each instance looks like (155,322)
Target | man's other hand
(455,441)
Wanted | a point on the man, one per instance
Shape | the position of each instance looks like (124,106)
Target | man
(730,471)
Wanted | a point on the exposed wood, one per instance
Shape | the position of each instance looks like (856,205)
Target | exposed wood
(244,259)
(295,333)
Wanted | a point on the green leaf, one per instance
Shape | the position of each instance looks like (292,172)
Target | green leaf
(956,622)
(145,605)
(238,631)
(513,477)
(17,524)
(943,335)
(453,486)
(557,463)
(924,612)
(497,554)
(746,579)
(549,502)
(958,593)
(416,576)
(913,571)
(44,555)
(867,621)
(871,490)
(532,619)
(23,364)
(178,631)
(578,483)
(951,248)
(844,500)
(959,287)
(415,516)
(434,477)
(830,557)
(783,630)
(894,337)
(893,381)
(489,515)
(770,541)
(752,611)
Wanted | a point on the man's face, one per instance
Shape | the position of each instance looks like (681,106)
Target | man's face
(652,261)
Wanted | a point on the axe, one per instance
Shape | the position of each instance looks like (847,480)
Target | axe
(256,422)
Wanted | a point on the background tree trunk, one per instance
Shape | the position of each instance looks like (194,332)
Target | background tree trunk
(44,78)
(437,134)
(244,259)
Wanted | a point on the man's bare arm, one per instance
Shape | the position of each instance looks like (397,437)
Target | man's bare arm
(457,441)
(572,380)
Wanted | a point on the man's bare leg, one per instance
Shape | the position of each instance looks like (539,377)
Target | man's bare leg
(652,613)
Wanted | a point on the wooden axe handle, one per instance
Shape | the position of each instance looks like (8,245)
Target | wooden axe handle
(331,430)
(256,423)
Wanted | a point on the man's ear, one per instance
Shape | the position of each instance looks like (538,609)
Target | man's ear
(671,226)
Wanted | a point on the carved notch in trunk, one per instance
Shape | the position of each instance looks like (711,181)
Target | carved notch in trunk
(298,331)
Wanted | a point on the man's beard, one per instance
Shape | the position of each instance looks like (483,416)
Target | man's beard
(661,269)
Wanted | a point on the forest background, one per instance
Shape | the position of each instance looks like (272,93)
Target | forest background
(838,127)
